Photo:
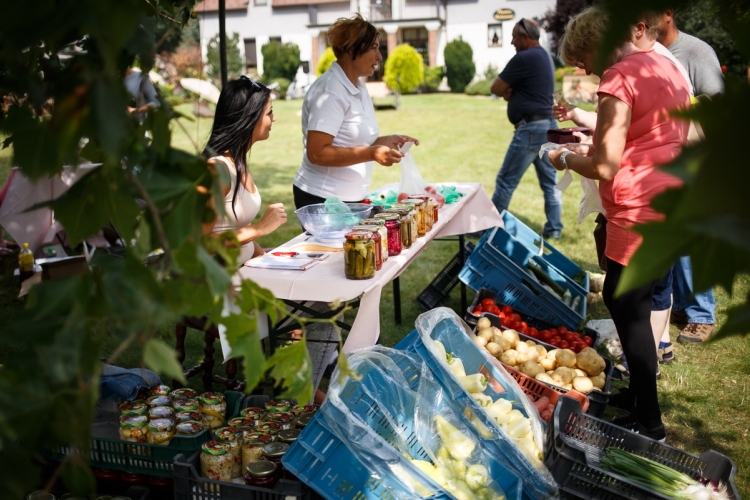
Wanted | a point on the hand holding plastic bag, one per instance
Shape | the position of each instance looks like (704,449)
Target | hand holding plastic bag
(591,201)
(411,180)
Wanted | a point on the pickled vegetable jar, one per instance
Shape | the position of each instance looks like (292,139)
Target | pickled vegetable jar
(262,473)
(303,420)
(188,428)
(271,428)
(406,232)
(132,408)
(378,243)
(383,234)
(393,227)
(161,431)
(184,416)
(185,393)
(254,413)
(252,447)
(420,208)
(278,405)
(359,256)
(274,451)
(157,412)
(214,409)
(242,423)
(134,428)
(284,418)
(288,436)
(185,405)
(159,390)
(429,209)
(414,223)
(159,401)
(216,462)
(233,437)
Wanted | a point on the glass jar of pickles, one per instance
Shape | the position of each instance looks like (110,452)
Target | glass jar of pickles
(243,423)
(378,243)
(383,231)
(184,416)
(359,256)
(262,473)
(431,209)
(188,428)
(289,436)
(414,223)
(133,408)
(184,393)
(303,420)
(278,405)
(161,412)
(216,463)
(161,431)
(213,408)
(252,446)
(406,220)
(393,228)
(271,428)
(185,405)
(233,437)
(134,428)
(159,390)
(253,412)
(420,208)
(283,418)
(162,400)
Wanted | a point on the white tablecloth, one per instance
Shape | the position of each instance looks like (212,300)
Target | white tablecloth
(326,281)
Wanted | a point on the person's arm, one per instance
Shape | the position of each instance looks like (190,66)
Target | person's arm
(577,115)
(394,141)
(321,151)
(611,134)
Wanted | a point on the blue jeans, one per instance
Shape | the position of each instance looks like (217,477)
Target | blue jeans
(698,307)
(523,150)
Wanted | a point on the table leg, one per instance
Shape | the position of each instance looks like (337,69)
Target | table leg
(397,299)
(461,252)
(208,367)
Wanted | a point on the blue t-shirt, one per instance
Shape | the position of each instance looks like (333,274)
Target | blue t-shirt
(531,74)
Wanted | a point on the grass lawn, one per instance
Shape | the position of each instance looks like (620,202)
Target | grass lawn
(704,393)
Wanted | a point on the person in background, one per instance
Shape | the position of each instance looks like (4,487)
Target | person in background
(635,133)
(527,83)
(142,91)
(340,135)
(244,116)
(695,309)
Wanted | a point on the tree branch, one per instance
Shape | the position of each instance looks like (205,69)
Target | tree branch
(156,217)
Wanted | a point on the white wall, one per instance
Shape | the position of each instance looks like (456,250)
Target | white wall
(328,13)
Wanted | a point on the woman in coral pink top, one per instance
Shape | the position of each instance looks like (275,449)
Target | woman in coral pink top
(635,134)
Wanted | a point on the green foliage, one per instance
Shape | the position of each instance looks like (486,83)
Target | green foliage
(404,69)
(482,87)
(168,36)
(459,66)
(491,72)
(433,75)
(283,86)
(561,72)
(167,92)
(325,61)
(235,64)
(280,60)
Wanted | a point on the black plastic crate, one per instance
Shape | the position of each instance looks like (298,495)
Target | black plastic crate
(190,485)
(437,291)
(576,442)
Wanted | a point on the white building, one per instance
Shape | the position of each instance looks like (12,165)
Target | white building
(427,25)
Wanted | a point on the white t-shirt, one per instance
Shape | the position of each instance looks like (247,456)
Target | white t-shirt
(333,105)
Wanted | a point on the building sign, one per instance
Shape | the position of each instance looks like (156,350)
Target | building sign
(504,14)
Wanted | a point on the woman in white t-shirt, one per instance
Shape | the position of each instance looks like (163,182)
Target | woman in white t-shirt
(340,135)
(244,115)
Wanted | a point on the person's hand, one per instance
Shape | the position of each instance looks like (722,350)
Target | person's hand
(561,114)
(554,158)
(585,139)
(386,156)
(272,218)
(507,94)
(131,110)
(397,141)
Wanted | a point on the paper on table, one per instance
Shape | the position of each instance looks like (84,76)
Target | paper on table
(271,262)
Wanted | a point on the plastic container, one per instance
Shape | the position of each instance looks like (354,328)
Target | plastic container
(439,288)
(533,242)
(536,390)
(490,268)
(576,443)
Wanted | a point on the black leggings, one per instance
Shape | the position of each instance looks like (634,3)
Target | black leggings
(631,313)
(303,198)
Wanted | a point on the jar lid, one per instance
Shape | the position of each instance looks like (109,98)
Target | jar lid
(161,424)
(184,393)
(133,408)
(184,416)
(275,449)
(303,420)
(388,216)
(242,423)
(159,401)
(261,468)
(159,390)
(289,435)
(372,222)
(211,398)
(280,404)
(281,416)
(161,412)
(366,227)
(404,206)
(359,236)
(272,427)
(189,427)
(412,201)
(252,411)
(256,438)
(399,210)
(228,433)
(215,447)
(423,197)
(185,404)
(133,421)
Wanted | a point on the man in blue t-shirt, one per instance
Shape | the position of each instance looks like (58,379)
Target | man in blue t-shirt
(527,83)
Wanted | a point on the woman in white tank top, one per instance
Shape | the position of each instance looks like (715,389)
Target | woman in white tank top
(244,116)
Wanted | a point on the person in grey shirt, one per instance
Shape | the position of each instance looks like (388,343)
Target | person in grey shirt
(139,86)
(697,310)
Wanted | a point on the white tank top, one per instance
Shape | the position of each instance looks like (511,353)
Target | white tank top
(246,206)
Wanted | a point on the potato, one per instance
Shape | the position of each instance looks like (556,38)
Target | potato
(532,355)
(487,333)
(566,357)
(563,375)
(480,341)
(580,373)
(510,357)
(531,343)
(543,377)
(483,323)
(497,330)
(583,384)
(548,363)
(598,382)
(541,350)
(494,349)
(590,362)
(502,342)
(522,348)
(553,353)
(531,369)
(568,386)
(550,372)
(512,337)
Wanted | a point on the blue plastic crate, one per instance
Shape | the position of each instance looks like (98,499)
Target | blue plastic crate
(487,267)
(533,241)
(321,460)
(474,361)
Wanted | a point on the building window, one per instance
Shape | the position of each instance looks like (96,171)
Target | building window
(261,2)
(417,38)
(276,39)
(251,55)
(494,35)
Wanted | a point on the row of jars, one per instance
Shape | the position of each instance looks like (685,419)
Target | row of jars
(370,244)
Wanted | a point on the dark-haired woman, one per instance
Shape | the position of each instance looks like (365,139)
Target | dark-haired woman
(244,116)
(340,135)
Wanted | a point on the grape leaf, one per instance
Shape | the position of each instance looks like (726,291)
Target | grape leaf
(161,358)
(242,334)
(291,367)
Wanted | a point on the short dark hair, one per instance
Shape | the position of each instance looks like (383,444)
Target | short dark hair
(353,36)
(530,27)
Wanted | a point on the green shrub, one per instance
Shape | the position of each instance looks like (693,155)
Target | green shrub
(280,60)
(433,75)
(491,72)
(482,87)
(404,69)
(283,85)
(235,65)
(167,92)
(325,61)
(459,66)
(560,72)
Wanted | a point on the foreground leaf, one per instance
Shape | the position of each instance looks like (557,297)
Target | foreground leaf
(291,367)
(161,358)
(242,334)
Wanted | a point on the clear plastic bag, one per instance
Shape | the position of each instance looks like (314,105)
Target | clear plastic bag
(411,180)
(442,324)
(404,406)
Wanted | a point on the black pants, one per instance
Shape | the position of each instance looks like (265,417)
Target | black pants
(631,313)
(303,198)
